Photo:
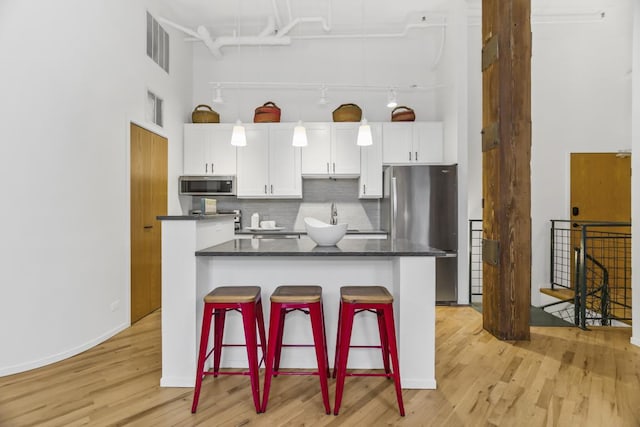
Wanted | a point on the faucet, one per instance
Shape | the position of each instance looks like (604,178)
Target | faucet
(334,214)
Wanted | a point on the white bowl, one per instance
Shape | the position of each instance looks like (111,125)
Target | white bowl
(324,234)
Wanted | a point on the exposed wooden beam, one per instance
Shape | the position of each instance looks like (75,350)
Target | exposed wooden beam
(506,174)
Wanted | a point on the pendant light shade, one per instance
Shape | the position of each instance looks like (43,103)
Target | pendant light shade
(299,135)
(238,137)
(364,134)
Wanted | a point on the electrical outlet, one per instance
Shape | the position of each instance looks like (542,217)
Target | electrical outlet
(115,305)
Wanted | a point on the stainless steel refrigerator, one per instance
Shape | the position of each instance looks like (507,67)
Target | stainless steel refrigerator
(420,204)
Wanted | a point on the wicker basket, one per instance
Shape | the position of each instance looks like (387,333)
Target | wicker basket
(347,113)
(204,114)
(267,113)
(405,114)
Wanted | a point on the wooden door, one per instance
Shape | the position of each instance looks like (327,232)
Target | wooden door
(148,200)
(601,191)
(600,187)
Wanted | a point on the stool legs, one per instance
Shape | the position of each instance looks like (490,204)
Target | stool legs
(252,316)
(274,349)
(202,354)
(320,341)
(342,350)
(386,327)
(248,320)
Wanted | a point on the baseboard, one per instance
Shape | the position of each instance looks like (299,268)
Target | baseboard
(419,384)
(635,341)
(33,364)
(177,382)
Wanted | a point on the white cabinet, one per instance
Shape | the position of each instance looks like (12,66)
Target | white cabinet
(269,166)
(412,143)
(208,150)
(332,150)
(371,166)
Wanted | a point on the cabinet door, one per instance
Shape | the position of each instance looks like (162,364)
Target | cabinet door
(195,150)
(428,142)
(285,179)
(207,150)
(397,143)
(253,163)
(344,149)
(316,156)
(371,166)
(221,153)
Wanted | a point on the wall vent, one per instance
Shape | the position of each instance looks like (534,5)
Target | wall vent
(157,43)
(155,107)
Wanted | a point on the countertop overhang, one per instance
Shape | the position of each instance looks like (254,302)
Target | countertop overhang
(307,247)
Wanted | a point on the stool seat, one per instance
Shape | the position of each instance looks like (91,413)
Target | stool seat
(289,294)
(233,294)
(365,295)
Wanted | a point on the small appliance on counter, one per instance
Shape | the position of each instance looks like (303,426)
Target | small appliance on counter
(208,206)
(255,220)
(237,220)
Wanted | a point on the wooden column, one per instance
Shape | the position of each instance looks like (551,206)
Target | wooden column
(506,175)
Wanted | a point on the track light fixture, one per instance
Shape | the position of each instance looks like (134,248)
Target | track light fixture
(392,101)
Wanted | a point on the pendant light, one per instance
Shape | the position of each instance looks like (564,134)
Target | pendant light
(238,137)
(299,135)
(364,134)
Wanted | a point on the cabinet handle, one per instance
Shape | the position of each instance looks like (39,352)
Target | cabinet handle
(211,167)
(206,168)
(334,167)
(271,188)
(364,188)
(409,155)
(148,226)
(265,189)
(416,156)
(327,167)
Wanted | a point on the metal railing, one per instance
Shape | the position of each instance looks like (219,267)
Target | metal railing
(475,260)
(592,259)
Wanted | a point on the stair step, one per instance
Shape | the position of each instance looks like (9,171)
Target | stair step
(560,293)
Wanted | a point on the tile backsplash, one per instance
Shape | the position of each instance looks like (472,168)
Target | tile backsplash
(318,194)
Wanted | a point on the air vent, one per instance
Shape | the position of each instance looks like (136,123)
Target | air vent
(157,43)
(155,107)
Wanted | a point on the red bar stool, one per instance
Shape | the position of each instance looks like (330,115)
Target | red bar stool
(307,299)
(354,300)
(247,301)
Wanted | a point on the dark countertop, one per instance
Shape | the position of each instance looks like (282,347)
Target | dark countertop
(193,217)
(307,247)
(302,232)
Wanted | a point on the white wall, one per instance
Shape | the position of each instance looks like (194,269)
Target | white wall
(74,74)
(580,84)
(635,178)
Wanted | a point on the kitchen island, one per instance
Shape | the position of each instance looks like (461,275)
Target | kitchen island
(407,270)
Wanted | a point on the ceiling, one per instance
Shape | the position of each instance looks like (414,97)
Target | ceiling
(248,18)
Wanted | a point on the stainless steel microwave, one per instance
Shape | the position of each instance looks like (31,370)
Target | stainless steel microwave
(207,185)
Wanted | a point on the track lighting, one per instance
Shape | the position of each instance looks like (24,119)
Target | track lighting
(218,99)
(323,96)
(392,101)
(299,135)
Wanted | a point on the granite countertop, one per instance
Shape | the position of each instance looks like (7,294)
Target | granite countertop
(266,231)
(307,247)
(193,217)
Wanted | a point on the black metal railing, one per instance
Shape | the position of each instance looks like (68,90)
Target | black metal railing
(475,260)
(590,258)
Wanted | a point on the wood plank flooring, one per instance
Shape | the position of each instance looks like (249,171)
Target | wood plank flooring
(562,377)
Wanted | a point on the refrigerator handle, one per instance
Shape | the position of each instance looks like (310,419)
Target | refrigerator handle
(394,207)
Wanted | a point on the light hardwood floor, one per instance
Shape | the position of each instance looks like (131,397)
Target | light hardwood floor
(562,377)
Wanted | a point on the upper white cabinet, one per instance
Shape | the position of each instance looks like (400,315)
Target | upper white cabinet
(332,150)
(371,166)
(207,149)
(269,166)
(412,143)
